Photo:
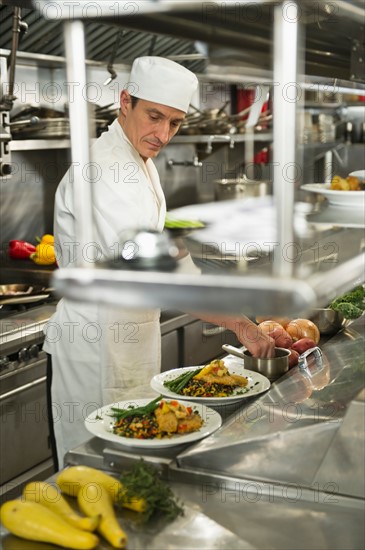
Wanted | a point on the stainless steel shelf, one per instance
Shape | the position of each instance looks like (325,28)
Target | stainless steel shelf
(338,217)
(272,44)
(253,295)
(39,144)
(223,138)
(331,28)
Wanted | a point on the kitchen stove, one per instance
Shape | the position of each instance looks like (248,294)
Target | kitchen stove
(21,334)
(24,434)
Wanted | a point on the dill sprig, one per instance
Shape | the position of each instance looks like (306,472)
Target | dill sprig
(143,481)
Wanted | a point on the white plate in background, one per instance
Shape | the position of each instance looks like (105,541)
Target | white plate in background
(353,199)
(257,383)
(358,174)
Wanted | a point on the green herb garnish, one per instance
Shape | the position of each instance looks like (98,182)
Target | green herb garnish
(143,481)
(179,383)
(351,304)
(136,411)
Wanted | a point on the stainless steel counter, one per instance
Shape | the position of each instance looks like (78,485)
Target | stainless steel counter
(285,471)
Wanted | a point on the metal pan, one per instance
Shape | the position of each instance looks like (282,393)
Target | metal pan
(22,294)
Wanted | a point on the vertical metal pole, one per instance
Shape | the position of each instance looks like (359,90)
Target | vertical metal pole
(328,164)
(80,138)
(284,115)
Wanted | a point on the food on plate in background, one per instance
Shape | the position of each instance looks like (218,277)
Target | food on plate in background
(171,223)
(20,250)
(157,419)
(212,380)
(351,183)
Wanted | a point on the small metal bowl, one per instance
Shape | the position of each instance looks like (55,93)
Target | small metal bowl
(328,320)
(272,367)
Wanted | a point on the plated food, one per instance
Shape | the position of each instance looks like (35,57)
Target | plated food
(159,418)
(216,383)
(339,198)
(350,183)
(213,380)
(156,423)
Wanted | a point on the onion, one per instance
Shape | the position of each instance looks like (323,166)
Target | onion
(283,321)
(269,325)
(303,328)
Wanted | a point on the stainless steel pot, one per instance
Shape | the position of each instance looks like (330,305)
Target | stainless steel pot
(228,189)
(239,188)
(272,367)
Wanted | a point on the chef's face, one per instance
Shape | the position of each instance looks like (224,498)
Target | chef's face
(148,126)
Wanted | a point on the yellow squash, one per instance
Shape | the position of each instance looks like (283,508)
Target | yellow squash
(48,495)
(72,479)
(32,521)
(94,499)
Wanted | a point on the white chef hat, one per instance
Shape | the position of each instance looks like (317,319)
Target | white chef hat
(162,81)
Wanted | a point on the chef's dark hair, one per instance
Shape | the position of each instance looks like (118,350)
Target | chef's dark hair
(134,101)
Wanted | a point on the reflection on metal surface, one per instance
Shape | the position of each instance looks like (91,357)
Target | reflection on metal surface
(306,407)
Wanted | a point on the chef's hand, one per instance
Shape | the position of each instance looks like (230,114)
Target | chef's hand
(258,343)
(248,333)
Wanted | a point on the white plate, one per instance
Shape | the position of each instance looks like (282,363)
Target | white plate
(355,199)
(257,383)
(358,174)
(100,424)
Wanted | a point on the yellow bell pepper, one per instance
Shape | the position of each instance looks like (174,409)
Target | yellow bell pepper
(44,254)
(47,238)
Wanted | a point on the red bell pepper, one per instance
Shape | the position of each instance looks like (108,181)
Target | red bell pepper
(20,250)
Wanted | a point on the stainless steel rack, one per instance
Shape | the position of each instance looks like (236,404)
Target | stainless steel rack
(279,39)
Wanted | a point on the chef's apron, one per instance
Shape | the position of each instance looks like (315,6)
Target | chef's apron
(100,354)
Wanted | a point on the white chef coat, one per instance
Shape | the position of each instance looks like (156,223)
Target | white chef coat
(102,355)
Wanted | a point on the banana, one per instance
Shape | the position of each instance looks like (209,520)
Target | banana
(72,479)
(94,499)
(32,521)
(48,495)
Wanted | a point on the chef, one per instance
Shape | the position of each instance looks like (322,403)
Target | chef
(99,355)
